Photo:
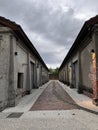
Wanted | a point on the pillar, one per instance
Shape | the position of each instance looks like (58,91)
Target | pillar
(80,87)
(95,65)
(28,89)
(11,89)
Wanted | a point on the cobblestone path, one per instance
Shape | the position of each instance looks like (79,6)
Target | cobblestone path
(54,97)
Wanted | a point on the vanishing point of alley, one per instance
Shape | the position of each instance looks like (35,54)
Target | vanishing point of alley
(54,98)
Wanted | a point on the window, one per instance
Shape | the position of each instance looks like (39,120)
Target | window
(20,80)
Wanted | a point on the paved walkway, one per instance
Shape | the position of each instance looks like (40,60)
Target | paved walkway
(73,119)
(54,97)
(80,99)
(27,101)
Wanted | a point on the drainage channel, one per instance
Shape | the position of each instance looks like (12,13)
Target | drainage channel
(15,115)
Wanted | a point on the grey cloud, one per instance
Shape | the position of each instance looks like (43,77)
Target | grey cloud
(51,58)
(56,26)
(12,9)
(48,21)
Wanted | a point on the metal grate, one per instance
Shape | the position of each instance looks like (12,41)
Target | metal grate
(15,115)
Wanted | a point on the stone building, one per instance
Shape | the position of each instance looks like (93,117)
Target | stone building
(21,67)
(79,69)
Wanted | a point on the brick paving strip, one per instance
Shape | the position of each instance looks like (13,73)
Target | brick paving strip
(54,97)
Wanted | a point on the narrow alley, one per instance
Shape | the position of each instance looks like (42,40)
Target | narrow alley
(48,65)
(54,97)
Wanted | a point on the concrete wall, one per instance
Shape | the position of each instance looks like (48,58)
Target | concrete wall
(38,73)
(33,61)
(4,65)
(20,66)
(95,46)
(15,62)
(77,69)
(66,74)
(61,75)
(45,76)
(69,73)
(86,65)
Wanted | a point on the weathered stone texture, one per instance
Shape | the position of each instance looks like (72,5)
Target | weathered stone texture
(4,66)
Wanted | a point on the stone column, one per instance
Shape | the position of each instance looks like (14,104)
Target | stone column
(11,89)
(28,89)
(63,74)
(67,75)
(95,65)
(35,74)
(95,80)
(80,87)
(40,74)
(71,69)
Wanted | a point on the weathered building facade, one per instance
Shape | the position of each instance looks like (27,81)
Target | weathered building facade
(80,67)
(21,67)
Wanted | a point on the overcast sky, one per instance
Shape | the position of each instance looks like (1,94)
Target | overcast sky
(51,25)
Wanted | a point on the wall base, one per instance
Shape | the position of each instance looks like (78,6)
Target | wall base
(95,102)
(80,88)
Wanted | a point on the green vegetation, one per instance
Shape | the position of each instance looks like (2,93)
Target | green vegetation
(54,71)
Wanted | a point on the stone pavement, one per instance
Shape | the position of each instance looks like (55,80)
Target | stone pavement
(73,119)
(80,99)
(27,101)
(55,120)
(54,97)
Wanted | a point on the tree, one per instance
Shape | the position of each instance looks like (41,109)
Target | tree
(54,71)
